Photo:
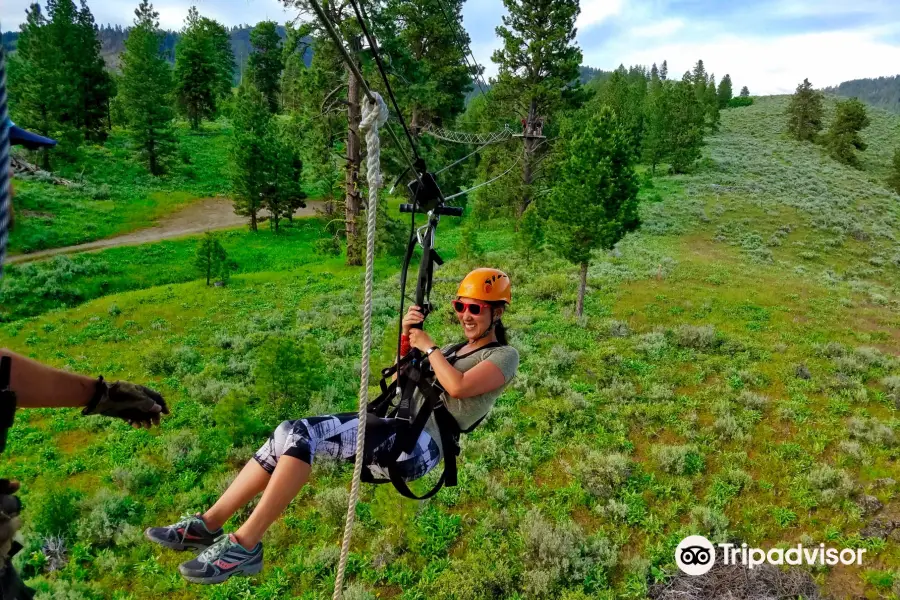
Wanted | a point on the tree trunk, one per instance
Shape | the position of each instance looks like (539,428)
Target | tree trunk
(582,285)
(528,160)
(352,197)
(252,219)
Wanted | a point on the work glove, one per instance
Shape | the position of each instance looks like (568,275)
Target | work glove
(139,406)
(10,506)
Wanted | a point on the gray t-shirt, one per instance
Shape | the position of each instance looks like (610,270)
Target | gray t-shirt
(467,411)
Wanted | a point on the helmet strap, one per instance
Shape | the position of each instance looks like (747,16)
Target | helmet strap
(490,327)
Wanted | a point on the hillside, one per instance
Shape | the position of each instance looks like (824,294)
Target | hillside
(883,92)
(737,375)
(112,42)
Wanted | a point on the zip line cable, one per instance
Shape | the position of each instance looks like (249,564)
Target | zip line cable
(472,189)
(336,39)
(469,155)
(456,27)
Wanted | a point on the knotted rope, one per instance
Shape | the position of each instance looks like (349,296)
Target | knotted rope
(374,115)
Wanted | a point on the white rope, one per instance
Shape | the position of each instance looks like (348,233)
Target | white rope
(374,115)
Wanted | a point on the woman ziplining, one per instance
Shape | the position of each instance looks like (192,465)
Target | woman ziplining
(471,376)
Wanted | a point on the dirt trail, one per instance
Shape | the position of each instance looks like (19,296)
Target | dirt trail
(203,215)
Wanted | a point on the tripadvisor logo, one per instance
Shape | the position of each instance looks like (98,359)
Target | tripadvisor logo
(696,555)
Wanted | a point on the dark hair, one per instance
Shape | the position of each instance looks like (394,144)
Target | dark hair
(499,328)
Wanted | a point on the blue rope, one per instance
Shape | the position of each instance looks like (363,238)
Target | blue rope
(4,162)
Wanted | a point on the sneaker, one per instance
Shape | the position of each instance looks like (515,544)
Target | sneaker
(190,533)
(222,560)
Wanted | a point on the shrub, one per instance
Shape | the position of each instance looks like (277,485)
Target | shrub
(289,371)
(160,361)
(699,338)
(728,427)
(871,431)
(107,512)
(332,504)
(679,460)
(829,486)
(740,102)
(329,245)
(602,474)
(557,555)
(618,329)
(57,512)
(752,400)
(652,344)
(711,521)
(892,386)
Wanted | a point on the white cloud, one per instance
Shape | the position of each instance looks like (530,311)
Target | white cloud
(594,12)
(664,28)
(768,65)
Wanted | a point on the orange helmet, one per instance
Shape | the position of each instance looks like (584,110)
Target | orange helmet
(489,285)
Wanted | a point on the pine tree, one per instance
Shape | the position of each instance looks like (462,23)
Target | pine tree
(593,202)
(211,259)
(293,50)
(805,112)
(700,80)
(685,126)
(95,85)
(724,93)
(664,71)
(745,92)
(146,89)
(425,40)
(265,63)
(223,56)
(537,62)
(251,152)
(842,138)
(32,78)
(656,122)
(626,93)
(196,74)
(711,105)
(894,178)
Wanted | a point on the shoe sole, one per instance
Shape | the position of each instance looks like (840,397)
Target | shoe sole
(175,545)
(243,571)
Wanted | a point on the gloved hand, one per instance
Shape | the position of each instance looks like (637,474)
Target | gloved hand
(138,405)
(9,515)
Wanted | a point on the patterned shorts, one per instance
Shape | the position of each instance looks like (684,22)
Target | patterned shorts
(335,436)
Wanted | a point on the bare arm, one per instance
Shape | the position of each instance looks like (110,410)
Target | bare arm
(480,379)
(37,386)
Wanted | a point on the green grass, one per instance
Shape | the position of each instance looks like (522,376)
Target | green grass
(675,407)
(114,193)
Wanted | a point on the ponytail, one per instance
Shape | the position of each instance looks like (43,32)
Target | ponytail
(500,332)
(499,328)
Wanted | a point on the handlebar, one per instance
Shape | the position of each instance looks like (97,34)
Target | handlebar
(450,211)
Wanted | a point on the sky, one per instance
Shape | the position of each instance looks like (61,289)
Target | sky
(768,45)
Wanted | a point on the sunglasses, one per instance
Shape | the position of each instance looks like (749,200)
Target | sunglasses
(461,307)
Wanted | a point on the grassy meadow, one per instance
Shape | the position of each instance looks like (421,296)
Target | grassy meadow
(113,192)
(736,375)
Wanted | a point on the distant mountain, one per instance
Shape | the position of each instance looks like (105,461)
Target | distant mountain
(112,43)
(883,92)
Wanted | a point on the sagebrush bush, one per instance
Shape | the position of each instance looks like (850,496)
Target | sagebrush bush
(829,486)
(602,474)
(652,344)
(618,329)
(871,431)
(701,337)
(710,521)
(679,460)
(752,400)
(105,516)
(332,504)
(557,554)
